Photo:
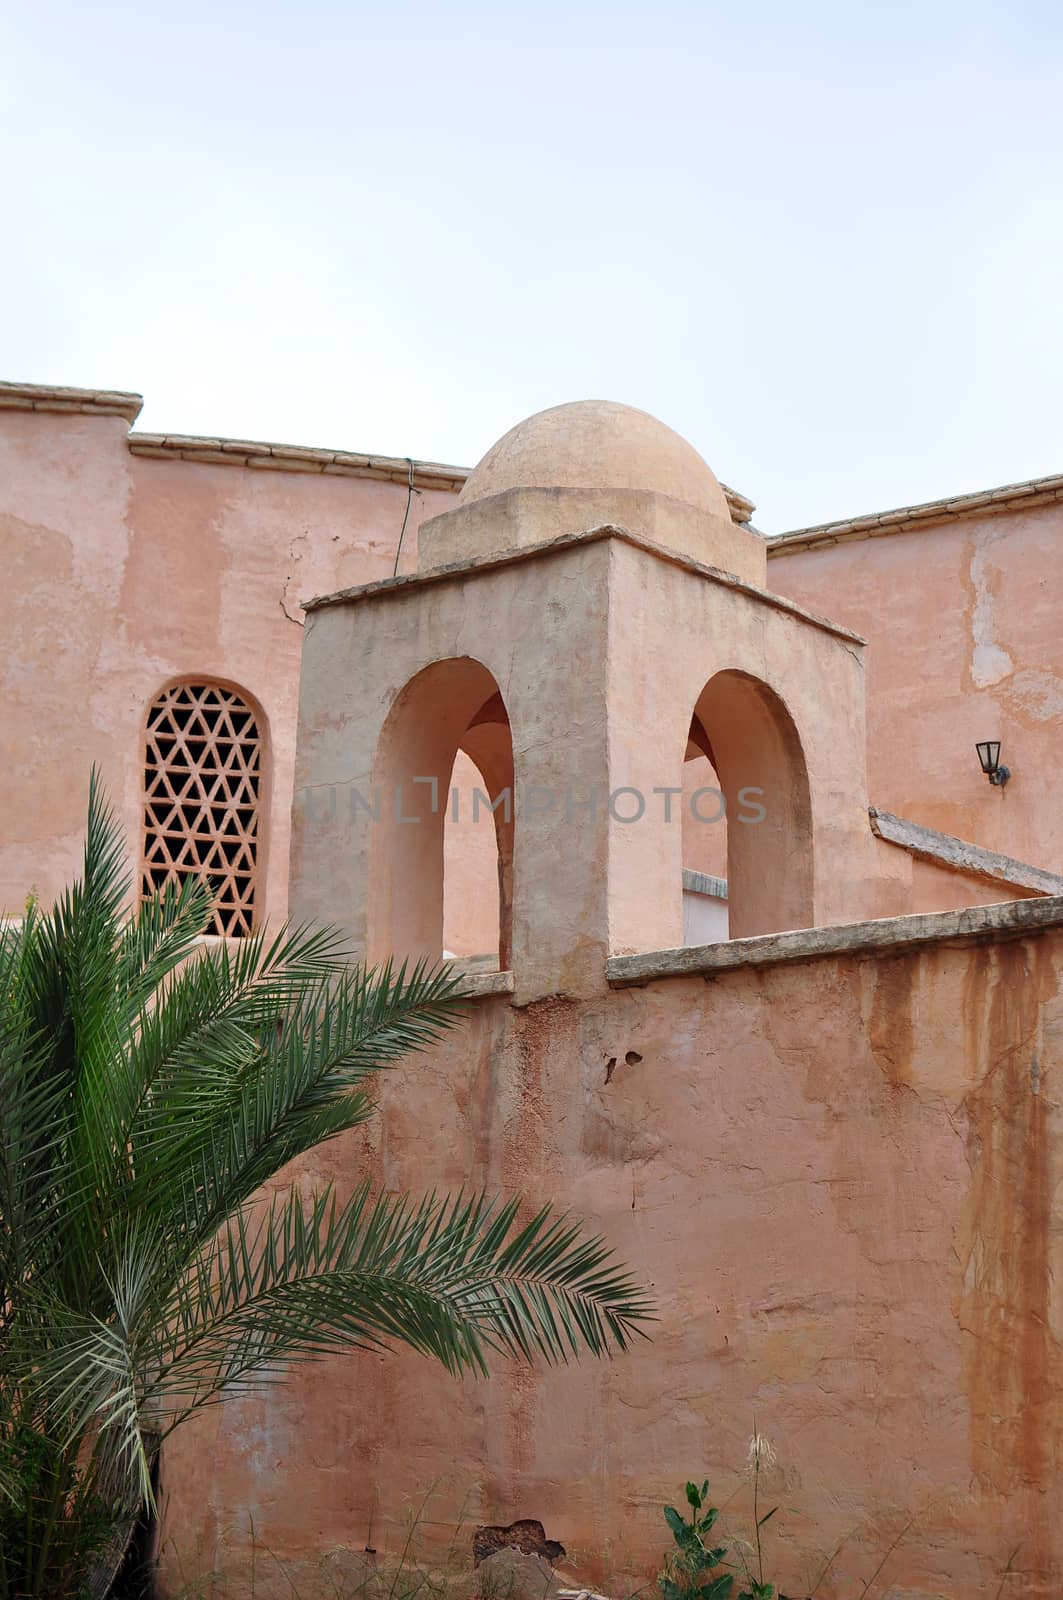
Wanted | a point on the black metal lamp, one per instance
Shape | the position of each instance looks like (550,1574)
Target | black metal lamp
(989,759)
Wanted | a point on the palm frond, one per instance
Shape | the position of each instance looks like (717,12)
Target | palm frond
(163,933)
(453,1279)
(152,1088)
(227,1115)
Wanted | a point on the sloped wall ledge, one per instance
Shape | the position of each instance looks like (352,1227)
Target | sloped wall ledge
(945,850)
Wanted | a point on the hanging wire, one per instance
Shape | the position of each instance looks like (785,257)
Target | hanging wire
(405,519)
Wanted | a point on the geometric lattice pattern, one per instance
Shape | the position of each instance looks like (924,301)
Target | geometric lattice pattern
(202,772)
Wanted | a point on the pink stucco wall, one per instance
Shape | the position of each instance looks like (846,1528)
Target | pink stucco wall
(962,622)
(123,572)
(837,1177)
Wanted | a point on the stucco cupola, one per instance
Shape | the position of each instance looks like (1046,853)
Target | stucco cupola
(587,620)
(600,445)
(593,463)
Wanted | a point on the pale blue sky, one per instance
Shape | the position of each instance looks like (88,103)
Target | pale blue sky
(823,240)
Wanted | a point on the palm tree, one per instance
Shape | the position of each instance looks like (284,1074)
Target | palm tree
(152,1091)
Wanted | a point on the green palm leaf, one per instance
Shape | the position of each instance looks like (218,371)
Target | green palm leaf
(153,1088)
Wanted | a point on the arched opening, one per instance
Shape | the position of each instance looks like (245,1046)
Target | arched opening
(204,759)
(704,823)
(470,869)
(757,825)
(442,855)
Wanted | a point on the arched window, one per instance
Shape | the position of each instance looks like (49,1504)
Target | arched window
(202,782)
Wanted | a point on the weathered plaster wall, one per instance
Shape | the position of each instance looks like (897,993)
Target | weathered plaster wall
(964,643)
(123,572)
(539,636)
(602,646)
(840,1179)
(934,888)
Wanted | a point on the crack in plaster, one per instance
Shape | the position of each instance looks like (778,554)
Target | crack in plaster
(293,562)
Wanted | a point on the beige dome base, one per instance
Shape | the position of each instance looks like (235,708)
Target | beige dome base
(518,518)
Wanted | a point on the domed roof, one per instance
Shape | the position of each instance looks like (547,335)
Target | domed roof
(596,444)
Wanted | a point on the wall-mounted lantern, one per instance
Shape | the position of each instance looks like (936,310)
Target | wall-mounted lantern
(989,757)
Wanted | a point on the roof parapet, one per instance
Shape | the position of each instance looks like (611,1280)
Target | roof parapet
(257,453)
(60,397)
(295,458)
(302,458)
(1010,497)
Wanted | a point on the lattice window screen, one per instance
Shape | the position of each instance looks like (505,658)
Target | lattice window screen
(203,769)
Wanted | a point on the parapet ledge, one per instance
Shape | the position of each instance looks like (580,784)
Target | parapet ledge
(476,984)
(55,397)
(1010,919)
(260,453)
(704,883)
(267,457)
(945,850)
(1009,497)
